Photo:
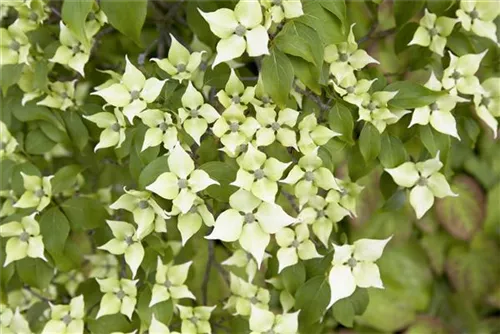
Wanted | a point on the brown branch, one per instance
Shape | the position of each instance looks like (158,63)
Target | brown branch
(206,276)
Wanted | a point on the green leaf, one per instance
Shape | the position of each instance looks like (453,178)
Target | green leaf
(6,168)
(277,76)
(293,277)
(140,159)
(337,8)
(65,178)
(411,95)
(307,73)
(439,7)
(76,129)
(112,323)
(369,142)
(217,77)
(327,25)
(53,133)
(152,171)
(340,120)
(224,174)
(404,10)
(392,152)
(404,36)
(9,75)
(40,77)
(126,16)
(435,142)
(32,112)
(54,227)
(35,272)
(436,246)
(462,216)
(346,309)
(84,213)
(16,181)
(312,299)
(38,143)
(297,39)
(74,14)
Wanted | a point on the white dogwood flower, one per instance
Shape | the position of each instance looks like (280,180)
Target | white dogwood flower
(345,58)
(487,103)
(294,245)
(460,74)
(8,143)
(242,259)
(161,129)
(250,221)
(238,30)
(478,17)
(127,242)
(120,296)
(425,180)
(66,318)
(195,114)
(12,322)
(148,215)
(279,10)
(114,126)
(244,294)
(190,222)
(24,239)
(438,114)
(180,64)
(259,174)
(170,282)
(133,93)
(37,193)
(313,134)
(182,182)
(276,126)
(354,265)
(264,322)
(72,52)
(195,320)
(235,94)
(14,46)
(433,31)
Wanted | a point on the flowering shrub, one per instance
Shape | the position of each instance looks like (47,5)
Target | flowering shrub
(265,166)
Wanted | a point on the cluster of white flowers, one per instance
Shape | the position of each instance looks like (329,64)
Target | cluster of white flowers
(246,123)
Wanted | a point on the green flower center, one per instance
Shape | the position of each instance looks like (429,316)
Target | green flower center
(352,262)
(456,75)
(194,113)
(129,241)
(350,90)
(91,16)
(193,209)
(422,181)
(234,126)
(120,294)
(371,106)
(203,66)
(485,101)
(254,300)
(343,192)
(143,204)
(3,145)
(343,57)
(194,320)
(474,14)
(14,45)
(240,30)
(236,99)
(433,32)
(275,126)
(258,174)
(33,16)
(309,176)
(249,218)
(320,214)
(180,67)
(134,94)
(75,49)
(64,95)
(24,236)
(182,183)
(243,148)
(265,99)
(115,127)
(39,193)
(167,284)
(295,243)
(434,106)
(163,126)
(277,2)
(66,319)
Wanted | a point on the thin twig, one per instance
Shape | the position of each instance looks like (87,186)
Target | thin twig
(206,276)
(312,96)
(36,294)
(291,199)
(142,56)
(369,34)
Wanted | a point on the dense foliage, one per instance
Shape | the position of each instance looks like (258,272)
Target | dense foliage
(272,166)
